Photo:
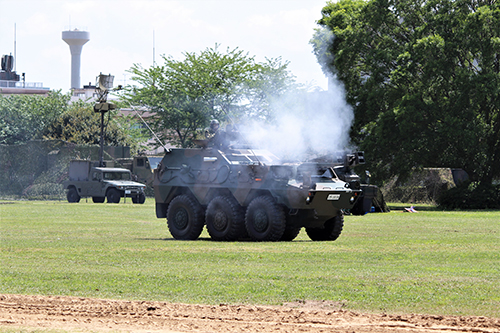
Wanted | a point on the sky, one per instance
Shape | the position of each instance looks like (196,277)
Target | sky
(123,33)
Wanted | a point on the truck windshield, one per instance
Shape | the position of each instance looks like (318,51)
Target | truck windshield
(117,176)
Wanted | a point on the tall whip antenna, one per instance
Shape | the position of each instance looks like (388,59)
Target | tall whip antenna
(167,150)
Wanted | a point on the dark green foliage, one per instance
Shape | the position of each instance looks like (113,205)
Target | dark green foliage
(81,125)
(53,117)
(423,78)
(25,117)
(471,195)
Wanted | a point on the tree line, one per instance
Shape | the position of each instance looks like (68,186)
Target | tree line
(25,118)
(423,79)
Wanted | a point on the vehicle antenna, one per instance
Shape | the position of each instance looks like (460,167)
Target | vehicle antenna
(167,150)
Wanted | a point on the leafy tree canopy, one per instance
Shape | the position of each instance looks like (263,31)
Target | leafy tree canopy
(423,78)
(81,125)
(30,117)
(186,94)
(25,117)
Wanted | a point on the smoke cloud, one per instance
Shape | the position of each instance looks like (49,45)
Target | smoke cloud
(305,126)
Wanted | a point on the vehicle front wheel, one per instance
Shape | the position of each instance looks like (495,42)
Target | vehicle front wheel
(73,195)
(330,232)
(185,218)
(113,195)
(225,219)
(265,219)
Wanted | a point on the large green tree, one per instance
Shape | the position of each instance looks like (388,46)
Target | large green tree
(25,117)
(80,124)
(423,78)
(30,117)
(186,94)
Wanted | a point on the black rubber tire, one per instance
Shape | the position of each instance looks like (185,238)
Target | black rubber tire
(225,219)
(98,199)
(113,195)
(139,199)
(185,218)
(330,232)
(290,234)
(265,219)
(73,195)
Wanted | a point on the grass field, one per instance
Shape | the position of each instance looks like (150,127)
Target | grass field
(432,262)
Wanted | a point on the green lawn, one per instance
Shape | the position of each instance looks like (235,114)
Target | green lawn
(432,262)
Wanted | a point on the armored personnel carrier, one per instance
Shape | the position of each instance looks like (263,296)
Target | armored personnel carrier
(249,193)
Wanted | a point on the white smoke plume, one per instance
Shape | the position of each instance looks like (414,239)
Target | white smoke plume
(316,124)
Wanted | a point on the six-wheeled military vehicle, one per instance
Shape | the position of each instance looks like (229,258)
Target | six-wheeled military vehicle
(86,179)
(249,193)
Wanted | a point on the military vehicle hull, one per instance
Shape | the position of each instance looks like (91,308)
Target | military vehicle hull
(240,193)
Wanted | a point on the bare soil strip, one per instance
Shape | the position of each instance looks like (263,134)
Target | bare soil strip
(100,315)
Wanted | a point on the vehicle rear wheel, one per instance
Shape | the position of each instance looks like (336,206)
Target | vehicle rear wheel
(225,219)
(98,199)
(113,195)
(265,219)
(140,198)
(185,218)
(330,232)
(73,195)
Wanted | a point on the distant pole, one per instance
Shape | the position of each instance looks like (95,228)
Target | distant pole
(103,85)
(101,146)
(154,62)
(15,50)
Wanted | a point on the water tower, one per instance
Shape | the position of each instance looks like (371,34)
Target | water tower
(75,39)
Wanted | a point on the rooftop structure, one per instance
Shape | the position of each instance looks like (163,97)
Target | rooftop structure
(11,84)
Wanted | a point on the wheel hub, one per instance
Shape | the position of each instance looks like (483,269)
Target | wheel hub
(260,221)
(220,220)
(181,219)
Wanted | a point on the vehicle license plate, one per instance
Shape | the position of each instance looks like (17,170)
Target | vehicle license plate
(333,197)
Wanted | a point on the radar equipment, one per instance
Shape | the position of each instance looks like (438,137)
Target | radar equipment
(104,84)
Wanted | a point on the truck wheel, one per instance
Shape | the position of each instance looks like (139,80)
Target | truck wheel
(113,195)
(330,232)
(185,218)
(73,195)
(98,199)
(265,219)
(140,198)
(225,219)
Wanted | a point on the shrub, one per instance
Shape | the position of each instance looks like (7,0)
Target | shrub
(470,195)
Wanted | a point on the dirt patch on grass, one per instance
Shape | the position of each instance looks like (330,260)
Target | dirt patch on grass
(99,315)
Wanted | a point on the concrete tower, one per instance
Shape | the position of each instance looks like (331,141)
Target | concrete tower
(75,39)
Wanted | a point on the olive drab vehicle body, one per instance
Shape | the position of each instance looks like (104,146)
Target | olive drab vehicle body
(249,193)
(86,179)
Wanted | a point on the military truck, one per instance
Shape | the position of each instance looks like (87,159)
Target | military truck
(141,167)
(86,179)
(249,193)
